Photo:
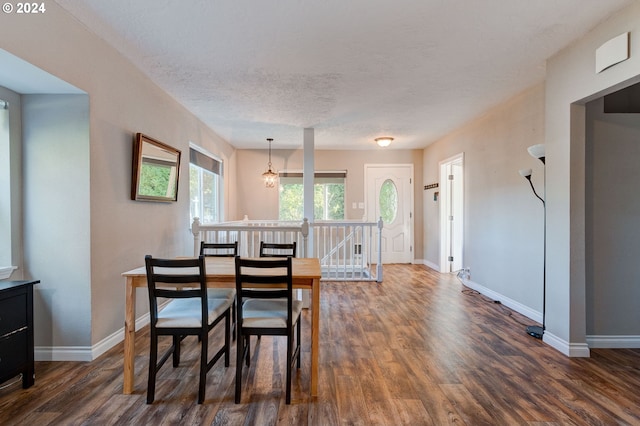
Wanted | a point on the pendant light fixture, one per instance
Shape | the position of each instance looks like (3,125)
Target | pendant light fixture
(270,177)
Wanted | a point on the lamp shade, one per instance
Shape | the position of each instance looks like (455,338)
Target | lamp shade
(537,151)
(525,173)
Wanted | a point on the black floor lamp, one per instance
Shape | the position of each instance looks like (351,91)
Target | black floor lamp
(537,151)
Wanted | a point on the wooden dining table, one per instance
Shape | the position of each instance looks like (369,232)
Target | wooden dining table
(221,273)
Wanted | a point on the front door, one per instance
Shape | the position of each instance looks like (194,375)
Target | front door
(389,196)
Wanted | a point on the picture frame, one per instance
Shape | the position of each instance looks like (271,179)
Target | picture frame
(155,170)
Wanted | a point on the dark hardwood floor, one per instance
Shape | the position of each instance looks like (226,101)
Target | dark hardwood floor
(418,349)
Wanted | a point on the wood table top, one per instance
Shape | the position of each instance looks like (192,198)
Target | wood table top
(224,267)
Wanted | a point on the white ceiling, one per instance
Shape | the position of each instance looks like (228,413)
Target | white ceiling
(352,69)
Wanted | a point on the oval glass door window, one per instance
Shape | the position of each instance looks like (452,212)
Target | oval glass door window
(388,201)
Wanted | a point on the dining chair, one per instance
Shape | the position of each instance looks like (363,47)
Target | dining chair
(222,250)
(266,306)
(189,312)
(277,249)
(219,249)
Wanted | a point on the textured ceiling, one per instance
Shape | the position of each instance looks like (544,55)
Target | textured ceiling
(352,69)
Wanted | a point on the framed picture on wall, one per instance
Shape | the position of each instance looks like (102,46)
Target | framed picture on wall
(155,170)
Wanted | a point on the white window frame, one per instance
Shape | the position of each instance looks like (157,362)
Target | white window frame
(6,241)
(319,178)
(219,186)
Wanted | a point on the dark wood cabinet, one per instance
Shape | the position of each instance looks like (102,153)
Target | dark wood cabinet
(16,331)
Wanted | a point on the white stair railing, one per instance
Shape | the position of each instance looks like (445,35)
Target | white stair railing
(346,249)
(249,234)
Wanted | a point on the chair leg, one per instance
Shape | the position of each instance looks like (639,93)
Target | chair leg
(176,350)
(233,318)
(299,333)
(289,356)
(239,354)
(153,359)
(248,345)
(227,343)
(203,368)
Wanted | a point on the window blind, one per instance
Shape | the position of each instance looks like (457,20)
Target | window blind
(205,162)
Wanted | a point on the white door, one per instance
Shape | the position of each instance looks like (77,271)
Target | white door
(390,195)
(451,213)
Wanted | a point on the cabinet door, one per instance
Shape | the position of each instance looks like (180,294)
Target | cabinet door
(13,313)
(13,354)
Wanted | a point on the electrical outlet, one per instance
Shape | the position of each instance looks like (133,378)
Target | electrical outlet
(466,273)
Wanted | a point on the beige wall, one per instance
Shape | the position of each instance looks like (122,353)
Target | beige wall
(503,223)
(122,101)
(572,81)
(494,144)
(262,203)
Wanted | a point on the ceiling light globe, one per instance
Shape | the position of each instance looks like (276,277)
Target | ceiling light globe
(384,141)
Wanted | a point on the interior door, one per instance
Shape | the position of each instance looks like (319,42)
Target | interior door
(451,213)
(390,195)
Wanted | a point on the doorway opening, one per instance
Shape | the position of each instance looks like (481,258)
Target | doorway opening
(452,213)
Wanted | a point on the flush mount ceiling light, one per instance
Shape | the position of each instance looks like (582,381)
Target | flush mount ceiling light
(384,141)
(270,177)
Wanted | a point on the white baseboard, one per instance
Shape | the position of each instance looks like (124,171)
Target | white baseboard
(510,303)
(62,353)
(567,348)
(573,350)
(578,350)
(618,342)
(85,353)
(431,265)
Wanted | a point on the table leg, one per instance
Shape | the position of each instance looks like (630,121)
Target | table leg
(129,336)
(315,333)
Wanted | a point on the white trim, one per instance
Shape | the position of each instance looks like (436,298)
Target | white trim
(443,201)
(618,342)
(566,348)
(431,265)
(510,303)
(87,353)
(573,350)
(62,353)
(6,271)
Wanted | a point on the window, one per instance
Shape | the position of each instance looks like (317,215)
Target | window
(388,201)
(205,183)
(328,195)
(5,187)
